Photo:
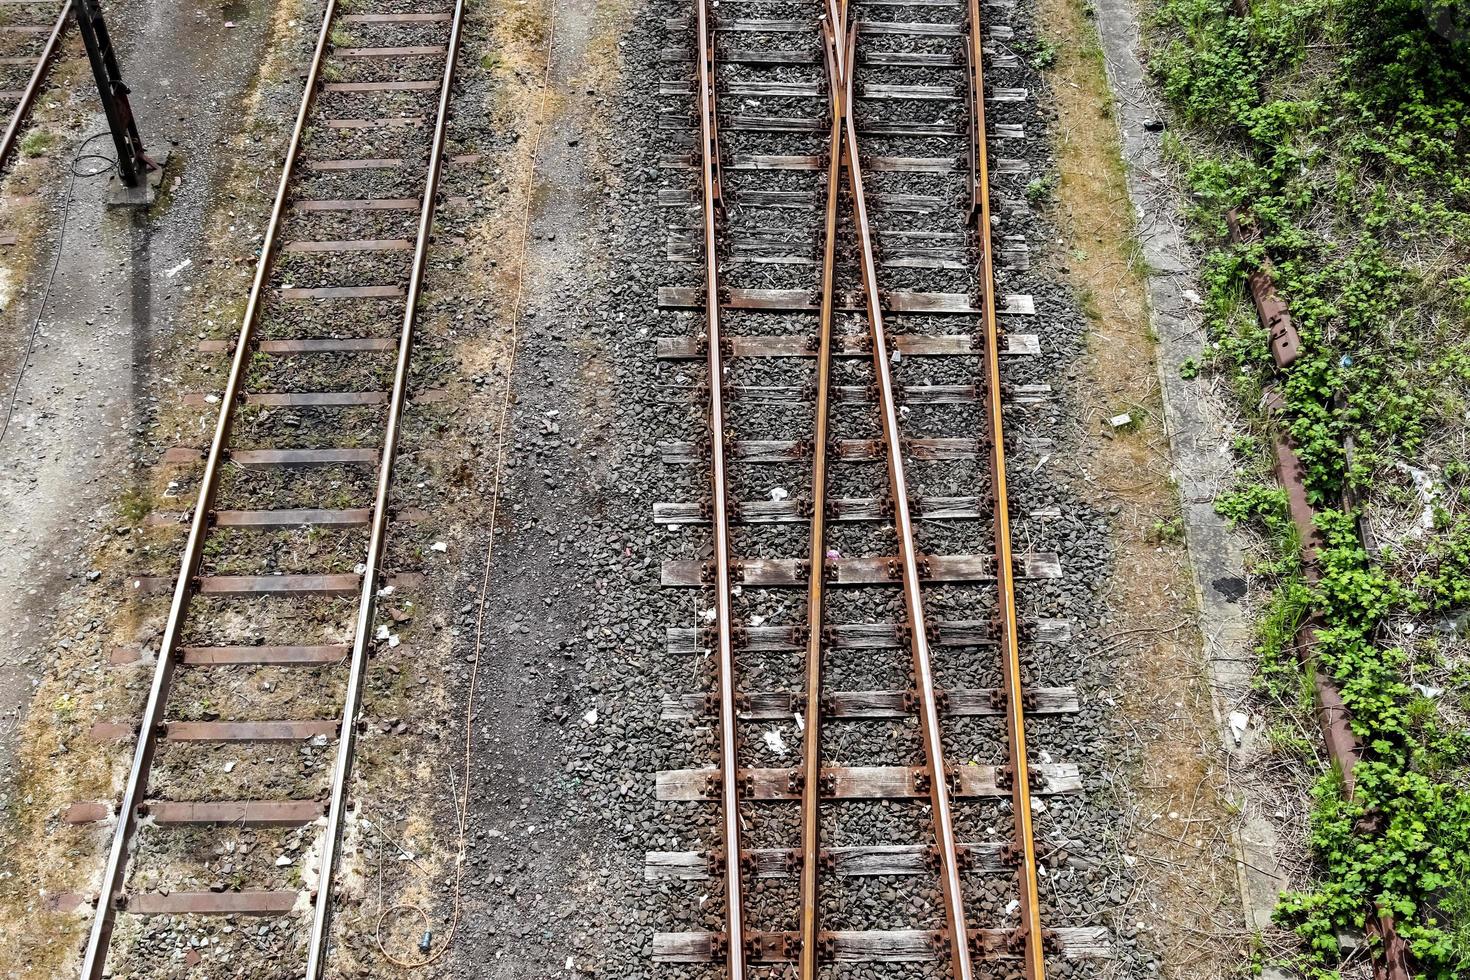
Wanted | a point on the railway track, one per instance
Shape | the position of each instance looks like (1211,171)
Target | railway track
(30,35)
(284,557)
(851,414)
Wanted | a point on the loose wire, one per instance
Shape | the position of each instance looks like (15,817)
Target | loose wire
(462,804)
(78,157)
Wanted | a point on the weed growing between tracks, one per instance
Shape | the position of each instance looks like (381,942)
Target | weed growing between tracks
(1341,126)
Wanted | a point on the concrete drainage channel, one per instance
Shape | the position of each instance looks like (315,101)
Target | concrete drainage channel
(911,764)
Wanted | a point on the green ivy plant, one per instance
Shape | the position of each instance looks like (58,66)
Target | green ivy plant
(1342,129)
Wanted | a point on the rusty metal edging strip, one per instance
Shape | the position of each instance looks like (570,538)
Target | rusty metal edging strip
(95,958)
(719,509)
(939,793)
(316,949)
(811,760)
(1024,844)
(33,86)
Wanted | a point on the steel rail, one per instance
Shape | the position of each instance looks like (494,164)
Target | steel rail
(33,86)
(927,702)
(363,634)
(1023,847)
(719,517)
(111,897)
(811,756)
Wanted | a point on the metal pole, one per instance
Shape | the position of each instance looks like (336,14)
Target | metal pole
(131,161)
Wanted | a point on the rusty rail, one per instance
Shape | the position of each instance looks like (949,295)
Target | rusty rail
(111,896)
(842,42)
(1029,936)
(720,505)
(33,85)
(372,566)
(811,756)
(188,582)
(1333,717)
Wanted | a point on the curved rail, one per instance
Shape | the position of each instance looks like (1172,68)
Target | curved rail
(1030,935)
(720,507)
(811,749)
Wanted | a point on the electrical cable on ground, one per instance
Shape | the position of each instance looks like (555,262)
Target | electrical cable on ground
(462,803)
(78,157)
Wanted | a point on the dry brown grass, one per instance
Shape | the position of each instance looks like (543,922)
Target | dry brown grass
(1177,823)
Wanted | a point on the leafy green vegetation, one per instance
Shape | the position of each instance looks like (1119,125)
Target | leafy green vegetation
(1341,130)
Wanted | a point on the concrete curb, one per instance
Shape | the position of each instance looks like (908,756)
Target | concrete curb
(1199,439)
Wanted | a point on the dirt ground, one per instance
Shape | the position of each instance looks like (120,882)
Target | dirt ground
(79,385)
(1176,817)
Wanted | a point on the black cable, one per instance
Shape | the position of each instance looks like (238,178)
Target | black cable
(78,157)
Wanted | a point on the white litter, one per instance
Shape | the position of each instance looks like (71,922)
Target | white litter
(439,546)
(382,633)
(778,494)
(1239,722)
(775,742)
(1428,492)
(229,767)
(1193,297)
(211,399)
(1427,690)
(590,717)
(179,268)
(1118,421)
(283,861)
